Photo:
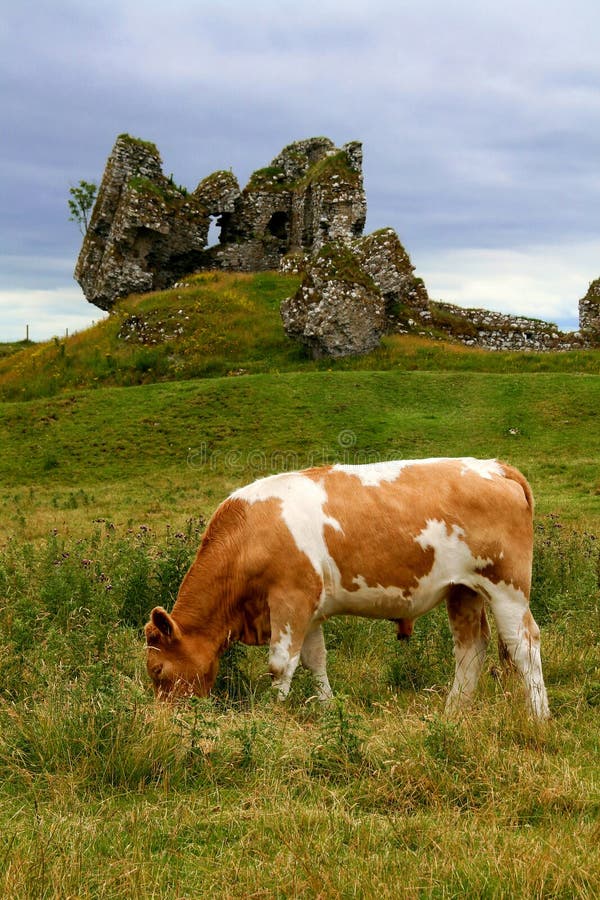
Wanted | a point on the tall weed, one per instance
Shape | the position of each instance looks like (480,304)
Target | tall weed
(566,570)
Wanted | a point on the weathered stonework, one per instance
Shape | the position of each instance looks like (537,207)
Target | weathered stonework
(310,193)
(351,293)
(498,331)
(217,193)
(589,312)
(305,212)
(382,256)
(145,233)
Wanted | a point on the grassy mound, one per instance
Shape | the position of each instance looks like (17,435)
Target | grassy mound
(218,324)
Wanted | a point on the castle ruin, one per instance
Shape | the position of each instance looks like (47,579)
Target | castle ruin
(304,212)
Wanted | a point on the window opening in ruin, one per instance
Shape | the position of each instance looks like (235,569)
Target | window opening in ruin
(214,231)
(278,225)
(358,227)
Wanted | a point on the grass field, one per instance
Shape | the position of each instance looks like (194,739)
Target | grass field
(105,485)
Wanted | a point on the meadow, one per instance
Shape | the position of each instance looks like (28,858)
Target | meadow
(108,473)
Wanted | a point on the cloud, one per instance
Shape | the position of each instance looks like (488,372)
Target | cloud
(544,282)
(48,313)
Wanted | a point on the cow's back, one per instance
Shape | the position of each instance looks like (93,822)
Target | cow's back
(373,539)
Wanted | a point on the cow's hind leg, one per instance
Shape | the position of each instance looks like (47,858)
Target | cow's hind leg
(519,633)
(314,658)
(471,637)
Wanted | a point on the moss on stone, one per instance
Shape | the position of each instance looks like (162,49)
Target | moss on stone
(217,178)
(271,178)
(296,148)
(334,164)
(167,193)
(340,263)
(451,322)
(138,142)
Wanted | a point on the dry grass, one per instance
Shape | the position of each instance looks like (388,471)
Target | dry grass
(105,794)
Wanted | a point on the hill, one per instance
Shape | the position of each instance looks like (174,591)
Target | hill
(217,395)
(166,452)
(8,349)
(218,324)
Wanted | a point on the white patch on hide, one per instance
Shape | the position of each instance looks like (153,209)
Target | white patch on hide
(373,474)
(453,562)
(279,655)
(302,501)
(486,468)
(281,663)
(374,601)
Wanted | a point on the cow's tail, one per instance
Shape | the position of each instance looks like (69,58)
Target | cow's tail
(515,475)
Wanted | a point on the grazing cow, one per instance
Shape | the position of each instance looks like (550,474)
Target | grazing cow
(388,540)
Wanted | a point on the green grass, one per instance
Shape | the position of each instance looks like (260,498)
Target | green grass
(166,452)
(8,349)
(113,456)
(336,164)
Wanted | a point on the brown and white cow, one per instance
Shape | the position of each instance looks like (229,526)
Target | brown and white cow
(388,540)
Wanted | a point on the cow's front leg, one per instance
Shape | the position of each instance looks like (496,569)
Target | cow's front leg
(284,655)
(314,658)
(291,610)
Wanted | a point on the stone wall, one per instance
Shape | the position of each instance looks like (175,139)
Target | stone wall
(342,309)
(499,331)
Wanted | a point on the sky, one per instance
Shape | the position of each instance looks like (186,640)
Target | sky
(480,125)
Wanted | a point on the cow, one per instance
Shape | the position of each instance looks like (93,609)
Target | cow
(386,540)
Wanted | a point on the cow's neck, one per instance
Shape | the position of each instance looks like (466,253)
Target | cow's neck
(208,601)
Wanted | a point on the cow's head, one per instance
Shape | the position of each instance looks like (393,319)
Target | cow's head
(179,664)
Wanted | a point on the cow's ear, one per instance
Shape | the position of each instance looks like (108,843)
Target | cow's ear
(165,623)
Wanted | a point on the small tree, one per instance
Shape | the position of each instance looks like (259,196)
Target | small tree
(81,202)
